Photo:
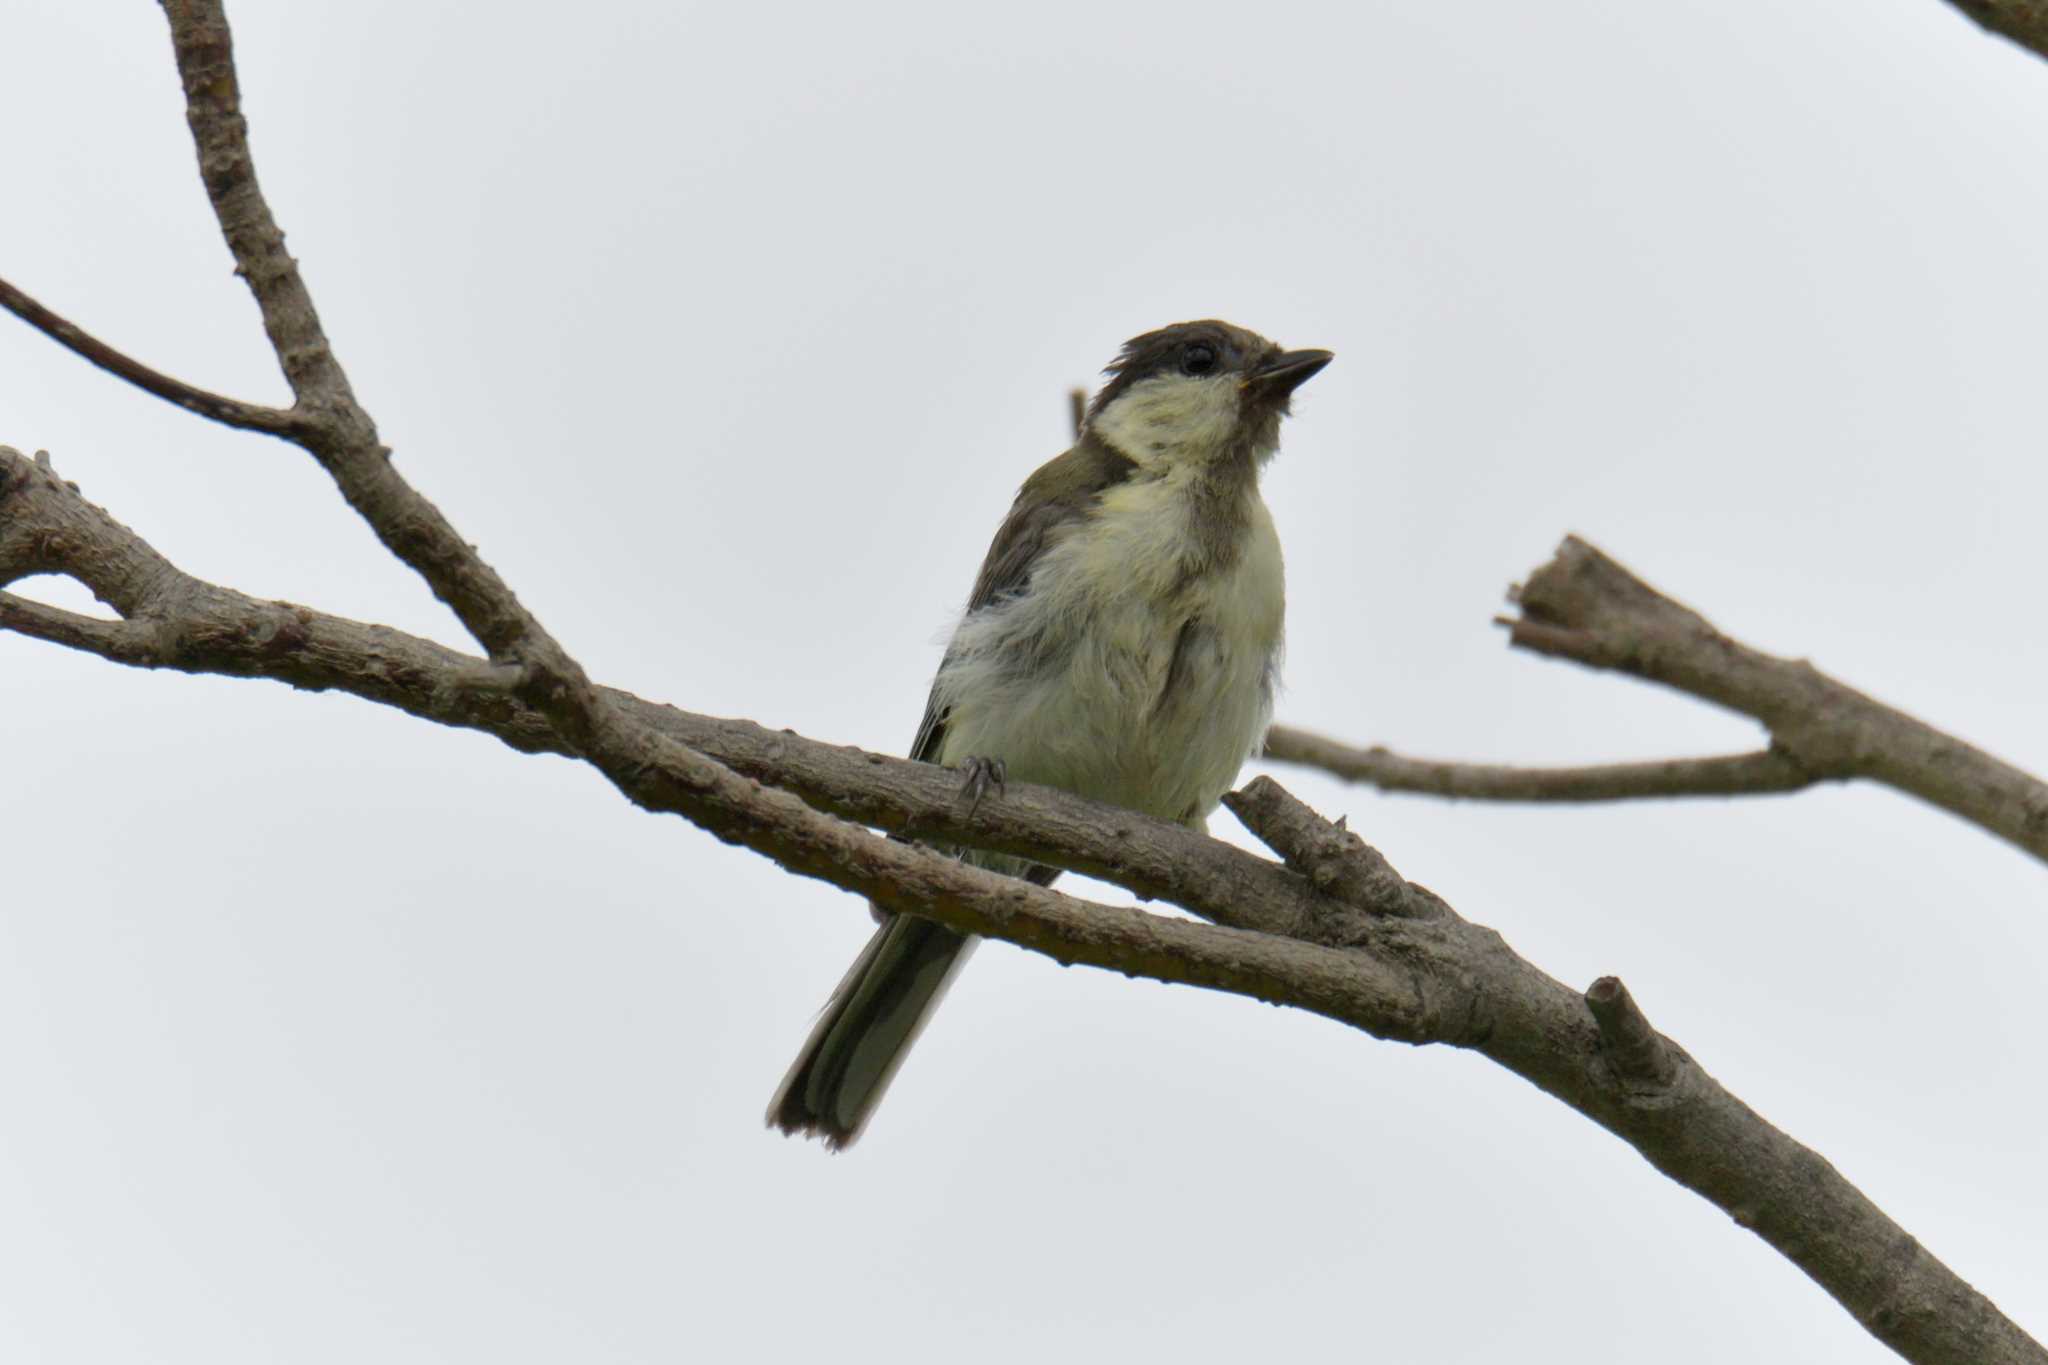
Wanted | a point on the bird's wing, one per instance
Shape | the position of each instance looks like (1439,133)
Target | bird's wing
(1062,491)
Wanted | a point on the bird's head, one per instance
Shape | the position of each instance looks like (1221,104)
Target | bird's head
(1199,395)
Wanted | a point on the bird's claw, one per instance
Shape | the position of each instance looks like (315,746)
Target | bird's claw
(979,775)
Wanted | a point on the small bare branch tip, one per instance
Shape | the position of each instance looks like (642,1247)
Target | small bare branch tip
(1636,1051)
(1559,641)
(1334,859)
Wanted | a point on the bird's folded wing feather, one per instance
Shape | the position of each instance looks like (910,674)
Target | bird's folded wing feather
(1061,492)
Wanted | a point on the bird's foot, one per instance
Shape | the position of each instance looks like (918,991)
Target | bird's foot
(979,774)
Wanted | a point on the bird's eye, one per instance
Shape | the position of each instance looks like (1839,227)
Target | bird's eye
(1198,359)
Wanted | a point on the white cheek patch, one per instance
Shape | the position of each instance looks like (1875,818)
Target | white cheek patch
(1171,419)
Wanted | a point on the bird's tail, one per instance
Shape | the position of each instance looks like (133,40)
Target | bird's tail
(866,1028)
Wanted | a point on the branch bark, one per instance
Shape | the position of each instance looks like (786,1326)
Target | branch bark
(179,622)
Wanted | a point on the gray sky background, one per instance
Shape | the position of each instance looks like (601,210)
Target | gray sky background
(727,332)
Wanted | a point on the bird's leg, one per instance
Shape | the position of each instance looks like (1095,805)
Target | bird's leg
(980,774)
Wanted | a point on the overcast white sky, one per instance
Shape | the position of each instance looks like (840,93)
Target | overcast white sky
(727,333)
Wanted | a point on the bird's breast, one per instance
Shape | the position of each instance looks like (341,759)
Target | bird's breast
(1138,666)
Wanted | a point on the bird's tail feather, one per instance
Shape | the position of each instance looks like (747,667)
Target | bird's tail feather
(866,1028)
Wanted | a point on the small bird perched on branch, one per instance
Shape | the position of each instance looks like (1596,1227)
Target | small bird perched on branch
(1121,642)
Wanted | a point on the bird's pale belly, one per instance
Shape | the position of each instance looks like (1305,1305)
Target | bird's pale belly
(1153,705)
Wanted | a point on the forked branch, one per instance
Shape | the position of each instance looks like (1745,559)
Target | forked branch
(1585,607)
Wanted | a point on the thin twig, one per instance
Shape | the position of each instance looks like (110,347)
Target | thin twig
(1766,771)
(123,642)
(232,411)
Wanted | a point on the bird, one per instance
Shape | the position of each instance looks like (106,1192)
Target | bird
(1122,641)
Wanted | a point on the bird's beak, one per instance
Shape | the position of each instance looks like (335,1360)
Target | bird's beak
(1286,372)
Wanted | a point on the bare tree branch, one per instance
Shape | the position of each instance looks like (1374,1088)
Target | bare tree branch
(338,432)
(1335,861)
(1585,607)
(328,421)
(213,110)
(1764,771)
(183,623)
(233,411)
(2023,21)
(1336,930)
(650,768)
